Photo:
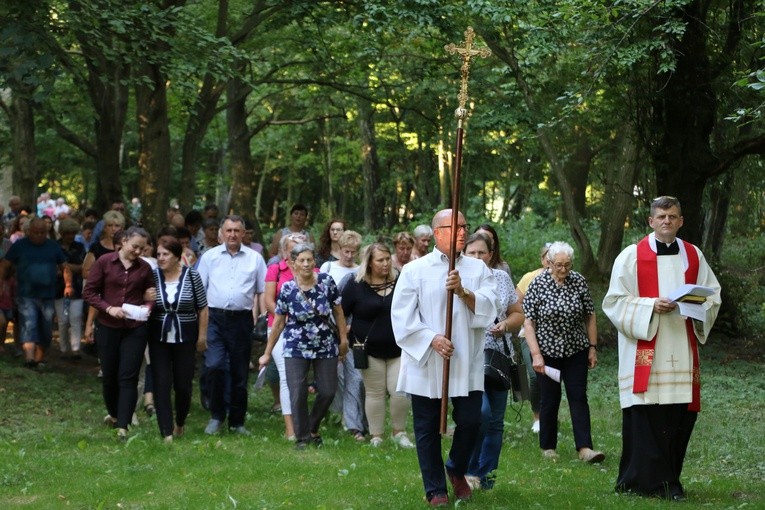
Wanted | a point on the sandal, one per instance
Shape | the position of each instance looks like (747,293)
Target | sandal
(149,409)
(358,435)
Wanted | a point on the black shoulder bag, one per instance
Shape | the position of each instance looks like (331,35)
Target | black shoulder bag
(497,368)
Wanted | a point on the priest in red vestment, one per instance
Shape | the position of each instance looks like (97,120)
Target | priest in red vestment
(659,377)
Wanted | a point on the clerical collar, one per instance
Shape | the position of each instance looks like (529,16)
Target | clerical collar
(667,249)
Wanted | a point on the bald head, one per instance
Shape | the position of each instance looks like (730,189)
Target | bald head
(442,231)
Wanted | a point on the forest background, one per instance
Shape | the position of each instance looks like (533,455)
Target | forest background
(585,111)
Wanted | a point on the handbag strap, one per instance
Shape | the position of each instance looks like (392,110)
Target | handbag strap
(507,348)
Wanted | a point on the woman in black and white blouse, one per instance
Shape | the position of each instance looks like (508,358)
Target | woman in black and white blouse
(562,334)
(178,326)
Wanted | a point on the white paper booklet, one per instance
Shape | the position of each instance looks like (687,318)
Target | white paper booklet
(691,293)
(552,373)
(137,313)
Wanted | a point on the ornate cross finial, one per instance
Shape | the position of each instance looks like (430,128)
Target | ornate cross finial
(466,52)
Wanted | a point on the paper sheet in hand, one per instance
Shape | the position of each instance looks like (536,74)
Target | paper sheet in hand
(691,293)
(691,310)
(552,373)
(137,313)
(261,380)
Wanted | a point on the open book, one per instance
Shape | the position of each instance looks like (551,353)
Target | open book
(690,293)
(690,298)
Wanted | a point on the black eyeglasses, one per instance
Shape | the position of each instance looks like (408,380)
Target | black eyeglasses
(464,227)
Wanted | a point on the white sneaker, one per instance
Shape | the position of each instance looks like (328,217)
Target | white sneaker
(473,481)
(402,440)
(376,441)
(535,427)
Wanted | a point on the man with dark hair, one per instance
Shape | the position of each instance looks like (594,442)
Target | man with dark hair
(234,277)
(658,352)
(194,221)
(37,259)
(211,211)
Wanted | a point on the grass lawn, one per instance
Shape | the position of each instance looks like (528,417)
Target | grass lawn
(55,452)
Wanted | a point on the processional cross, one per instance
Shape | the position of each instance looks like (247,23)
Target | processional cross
(466,52)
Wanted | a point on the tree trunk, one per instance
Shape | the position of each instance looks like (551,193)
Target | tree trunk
(243,175)
(577,170)
(199,120)
(196,128)
(686,108)
(154,160)
(717,216)
(110,103)
(24,149)
(618,202)
(570,211)
(370,167)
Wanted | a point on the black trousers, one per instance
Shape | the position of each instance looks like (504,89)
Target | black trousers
(121,354)
(573,374)
(426,416)
(325,371)
(172,368)
(654,441)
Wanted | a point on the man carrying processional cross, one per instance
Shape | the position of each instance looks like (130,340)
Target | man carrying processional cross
(659,378)
(441,306)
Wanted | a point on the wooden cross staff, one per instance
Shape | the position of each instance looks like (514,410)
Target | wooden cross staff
(466,52)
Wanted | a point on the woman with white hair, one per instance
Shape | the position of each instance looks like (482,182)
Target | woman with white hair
(423,234)
(562,334)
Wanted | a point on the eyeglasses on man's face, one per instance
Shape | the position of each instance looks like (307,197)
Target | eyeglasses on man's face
(465,227)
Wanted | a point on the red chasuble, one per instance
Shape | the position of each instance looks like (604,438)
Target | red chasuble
(648,286)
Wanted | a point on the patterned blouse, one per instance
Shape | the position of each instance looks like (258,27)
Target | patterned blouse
(507,297)
(174,317)
(559,313)
(307,332)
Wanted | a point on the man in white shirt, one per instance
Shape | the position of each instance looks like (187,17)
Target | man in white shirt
(234,276)
(418,317)
(658,352)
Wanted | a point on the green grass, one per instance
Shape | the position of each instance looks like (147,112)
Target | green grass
(55,453)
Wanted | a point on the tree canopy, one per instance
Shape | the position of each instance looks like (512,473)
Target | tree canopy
(585,111)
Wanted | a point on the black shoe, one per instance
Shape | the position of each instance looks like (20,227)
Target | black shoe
(301,445)
(317,441)
(30,364)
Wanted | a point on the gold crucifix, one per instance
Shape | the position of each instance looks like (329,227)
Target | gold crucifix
(466,52)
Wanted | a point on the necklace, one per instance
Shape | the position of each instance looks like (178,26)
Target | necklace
(384,288)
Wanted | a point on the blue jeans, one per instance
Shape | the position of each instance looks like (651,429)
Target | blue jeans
(228,340)
(426,414)
(36,320)
(488,444)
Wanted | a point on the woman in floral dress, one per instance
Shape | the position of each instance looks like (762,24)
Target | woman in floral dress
(303,312)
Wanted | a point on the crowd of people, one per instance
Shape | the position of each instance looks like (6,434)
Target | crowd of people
(360,327)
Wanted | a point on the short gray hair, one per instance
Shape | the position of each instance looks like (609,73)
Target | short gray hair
(300,248)
(560,247)
(422,230)
(294,237)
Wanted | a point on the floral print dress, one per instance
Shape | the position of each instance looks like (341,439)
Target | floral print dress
(307,332)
